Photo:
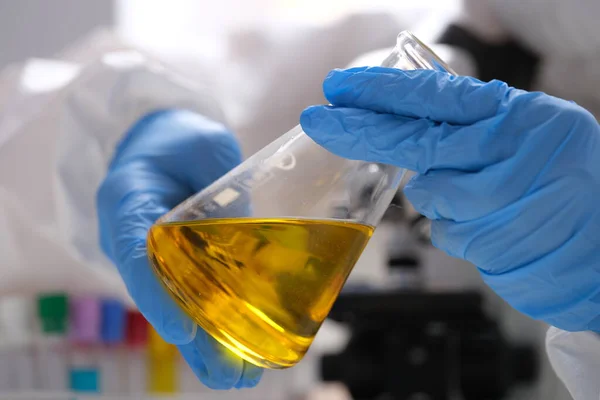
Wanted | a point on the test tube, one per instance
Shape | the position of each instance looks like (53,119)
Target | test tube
(112,370)
(162,365)
(84,337)
(16,314)
(136,340)
(52,312)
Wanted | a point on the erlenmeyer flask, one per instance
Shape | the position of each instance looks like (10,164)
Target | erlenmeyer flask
(258,258)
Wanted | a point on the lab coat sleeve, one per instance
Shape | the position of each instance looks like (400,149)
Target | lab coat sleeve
(59,125)
(575,357)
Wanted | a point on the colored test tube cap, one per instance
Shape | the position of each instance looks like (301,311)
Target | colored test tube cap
(53,312)
(158,347)
(84,380)
(136,328)
(85,320)
(113,321)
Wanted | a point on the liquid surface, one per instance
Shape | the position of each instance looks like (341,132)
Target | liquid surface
(262,287)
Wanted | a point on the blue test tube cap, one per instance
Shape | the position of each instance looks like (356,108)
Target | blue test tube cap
(113,321)
(84,381)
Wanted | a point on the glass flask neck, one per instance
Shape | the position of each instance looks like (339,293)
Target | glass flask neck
(410,53)
(295,177)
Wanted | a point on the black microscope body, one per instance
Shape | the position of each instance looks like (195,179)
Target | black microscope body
(413,345)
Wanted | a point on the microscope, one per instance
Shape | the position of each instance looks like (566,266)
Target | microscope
(409,342)
(411,345)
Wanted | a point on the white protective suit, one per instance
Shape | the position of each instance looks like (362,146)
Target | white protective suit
(60,121)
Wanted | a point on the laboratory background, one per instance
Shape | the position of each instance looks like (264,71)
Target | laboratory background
(411,322)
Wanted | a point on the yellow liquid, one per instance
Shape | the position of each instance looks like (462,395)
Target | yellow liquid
(261,287)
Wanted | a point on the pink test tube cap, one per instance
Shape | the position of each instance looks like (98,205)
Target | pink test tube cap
(85,320)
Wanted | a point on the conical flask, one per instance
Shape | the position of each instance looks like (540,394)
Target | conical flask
(258,258)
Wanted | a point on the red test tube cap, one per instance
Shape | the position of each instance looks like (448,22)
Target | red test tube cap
(136,329)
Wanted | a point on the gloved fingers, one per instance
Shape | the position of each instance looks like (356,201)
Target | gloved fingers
(129,202)
(250,376)
(502,241)
(463,196)
(499,171)
(164,159)
(203,151)
(560,287)
(416,144)
(159,309)
(217,367)
(460,239)
(150,174)
(434,95)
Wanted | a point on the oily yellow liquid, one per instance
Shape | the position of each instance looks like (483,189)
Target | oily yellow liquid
(261,287)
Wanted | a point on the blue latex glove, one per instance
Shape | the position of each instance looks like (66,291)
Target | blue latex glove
(166,157)
(511,179)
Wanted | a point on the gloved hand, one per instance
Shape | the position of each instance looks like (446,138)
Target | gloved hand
(511,179)
(166,157)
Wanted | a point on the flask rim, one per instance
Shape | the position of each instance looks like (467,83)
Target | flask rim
(419,53)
